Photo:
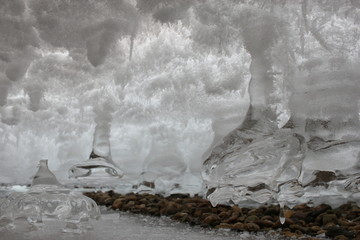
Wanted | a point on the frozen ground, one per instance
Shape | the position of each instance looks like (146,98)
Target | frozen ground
(114,225)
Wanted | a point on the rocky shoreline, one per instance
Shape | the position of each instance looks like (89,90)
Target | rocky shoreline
(317,222)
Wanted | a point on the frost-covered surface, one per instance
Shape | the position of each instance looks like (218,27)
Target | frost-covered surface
(154,86)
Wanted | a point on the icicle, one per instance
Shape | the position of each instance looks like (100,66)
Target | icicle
(131,46)
(282,213)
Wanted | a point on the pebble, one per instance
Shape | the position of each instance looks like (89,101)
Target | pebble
(170,208)
(340,237)
(334,231)
(224,225)
(117,204)
(251,218)
(251,227)
(212,220)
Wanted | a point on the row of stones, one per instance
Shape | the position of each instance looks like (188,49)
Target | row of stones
(339,223)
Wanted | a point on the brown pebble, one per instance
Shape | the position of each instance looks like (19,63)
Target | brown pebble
(141,207)
(255,211)
(315,228)
(264,223)
(181,216)
(108,201)
(237,210)
(334,231)
(198,213)
(301,207)
(346,223)
(296,227)
(251,218)
(291,234)
(204,204)
(144,201)
(130,197)
(129,205)
(170,208)
(268,218)
(273,211)
(288,213)
(117,204)
(153,211)
(224,215)
(320,232)
(329,218)
(355,228)
(189,206)
(206,209)
(212,220)
(301,222)
(231,219)
(224,225)
(329,225)
(340,237)
(251,227)
(316,211)
(238,226)
(102,197)
(301,215)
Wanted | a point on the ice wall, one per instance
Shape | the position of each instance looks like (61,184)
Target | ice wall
(169,104)
(169,80)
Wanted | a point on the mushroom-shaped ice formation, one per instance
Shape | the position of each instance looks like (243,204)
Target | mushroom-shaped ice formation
(95,167)
(47,200)
(100,164)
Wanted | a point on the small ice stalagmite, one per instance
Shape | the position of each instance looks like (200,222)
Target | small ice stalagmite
(44,175)
(47,200)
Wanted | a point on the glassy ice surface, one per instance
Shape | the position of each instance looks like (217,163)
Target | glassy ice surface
(46,200)
(259,99)
(128,226)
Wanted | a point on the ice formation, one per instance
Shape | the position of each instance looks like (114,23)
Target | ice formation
(262,161)
(265,94)
(100,163)
(47,200)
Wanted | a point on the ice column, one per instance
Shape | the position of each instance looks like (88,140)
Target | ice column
(257,161)
(100,163)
